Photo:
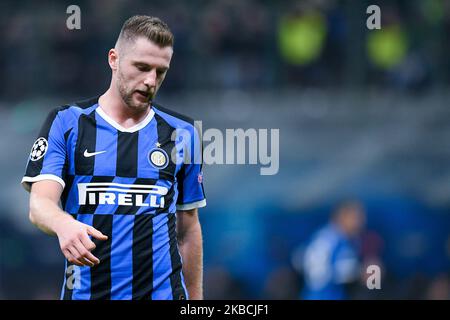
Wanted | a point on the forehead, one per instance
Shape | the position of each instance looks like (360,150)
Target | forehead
(146,51)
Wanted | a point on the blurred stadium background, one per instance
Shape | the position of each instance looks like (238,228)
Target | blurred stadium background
(362,114)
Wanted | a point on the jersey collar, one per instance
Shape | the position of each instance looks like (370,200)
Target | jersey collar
(134,128)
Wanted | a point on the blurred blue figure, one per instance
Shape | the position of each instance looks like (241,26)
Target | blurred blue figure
(331,261)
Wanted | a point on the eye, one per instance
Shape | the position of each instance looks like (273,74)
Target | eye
(142,68)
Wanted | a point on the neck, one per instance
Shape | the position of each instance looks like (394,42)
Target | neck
(113,105)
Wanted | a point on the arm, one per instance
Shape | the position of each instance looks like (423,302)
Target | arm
(73,235)
(189,235)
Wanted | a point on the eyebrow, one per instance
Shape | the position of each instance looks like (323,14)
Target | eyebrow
(139,63)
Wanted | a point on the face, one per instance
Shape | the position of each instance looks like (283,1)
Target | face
(139,70)
(356,221)
(352,219)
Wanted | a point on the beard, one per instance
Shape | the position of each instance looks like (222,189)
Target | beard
(129,95)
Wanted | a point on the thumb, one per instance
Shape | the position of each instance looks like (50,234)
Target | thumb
(96,234)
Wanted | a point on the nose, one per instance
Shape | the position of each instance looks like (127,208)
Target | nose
(150,79)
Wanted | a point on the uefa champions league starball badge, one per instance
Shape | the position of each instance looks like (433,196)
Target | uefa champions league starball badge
(39,149)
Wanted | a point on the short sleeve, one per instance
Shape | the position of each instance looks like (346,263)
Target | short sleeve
(48,154)
(191,194)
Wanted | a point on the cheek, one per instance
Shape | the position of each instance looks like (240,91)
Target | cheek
(128,75)
(161,79)
(130,80)
(128,72)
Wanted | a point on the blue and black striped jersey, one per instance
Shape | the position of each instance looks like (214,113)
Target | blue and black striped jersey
(128,183)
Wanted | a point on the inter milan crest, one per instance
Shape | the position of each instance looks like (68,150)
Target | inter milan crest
(158,158)
(39,149)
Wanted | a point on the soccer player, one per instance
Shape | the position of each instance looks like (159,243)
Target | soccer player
(127,173)
(331,262)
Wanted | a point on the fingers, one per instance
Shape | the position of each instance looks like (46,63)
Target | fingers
(78,254)
(76,244)
(96,234)
(84,255)
(71,258)
(87,242)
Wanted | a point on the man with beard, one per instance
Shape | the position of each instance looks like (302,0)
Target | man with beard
(129,183)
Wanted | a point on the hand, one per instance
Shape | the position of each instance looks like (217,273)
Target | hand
(75,243)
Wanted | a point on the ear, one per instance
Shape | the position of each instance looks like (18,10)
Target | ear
(113,59)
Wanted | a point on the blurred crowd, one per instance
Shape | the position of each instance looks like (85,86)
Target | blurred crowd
(225,44)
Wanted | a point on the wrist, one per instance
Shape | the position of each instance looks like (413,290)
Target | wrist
(59,221)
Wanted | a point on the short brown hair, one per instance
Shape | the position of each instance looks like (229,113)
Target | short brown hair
(149,27)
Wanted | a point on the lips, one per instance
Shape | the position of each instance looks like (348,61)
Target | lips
(142,93)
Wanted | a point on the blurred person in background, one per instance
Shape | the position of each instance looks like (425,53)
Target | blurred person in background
(331,262)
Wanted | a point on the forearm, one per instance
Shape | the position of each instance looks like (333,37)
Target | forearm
(45,214)
(191,250)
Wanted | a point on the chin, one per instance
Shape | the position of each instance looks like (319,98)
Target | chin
(140,106)
(136,104)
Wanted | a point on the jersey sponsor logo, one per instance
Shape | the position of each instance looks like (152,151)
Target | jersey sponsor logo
(158,158)
(91,154)
(110,193)
(39,149)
